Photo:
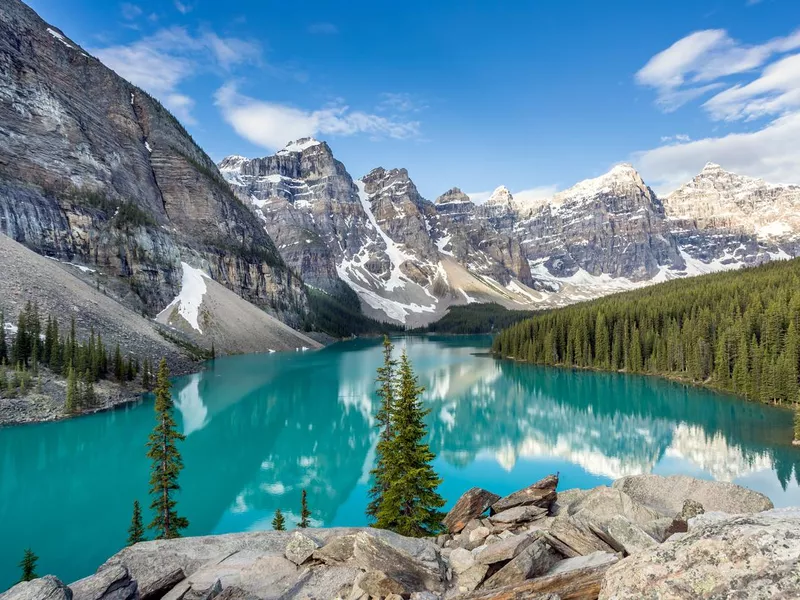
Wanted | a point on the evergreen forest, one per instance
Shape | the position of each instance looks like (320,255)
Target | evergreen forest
(736,331)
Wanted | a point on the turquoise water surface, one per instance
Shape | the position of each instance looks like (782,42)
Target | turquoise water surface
(260,428)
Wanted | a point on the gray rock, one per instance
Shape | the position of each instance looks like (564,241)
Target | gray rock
(44,588)
(579,563)
(519,514)
(478,535)
(472,504)
(413,562)
(630,538)
(542,494)
(691,508)
(109,583)
(605,503)
(470,579)
(158,587)
(425,596)
(505,550)
(235,593)
(209,593)
(460,560)
(575,538)
(380,585)
(754,556)
(667,494)
(566,498)
(300,547)
(338,550)
(536,559)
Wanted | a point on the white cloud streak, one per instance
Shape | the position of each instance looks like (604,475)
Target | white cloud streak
(685,70)
(273,125)
(159,63)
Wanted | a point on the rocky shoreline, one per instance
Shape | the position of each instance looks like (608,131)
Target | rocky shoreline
(644,537)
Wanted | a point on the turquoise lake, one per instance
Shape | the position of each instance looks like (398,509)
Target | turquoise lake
(260,428)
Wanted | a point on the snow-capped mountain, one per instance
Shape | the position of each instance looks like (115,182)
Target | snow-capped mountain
(719,199)
(408,259)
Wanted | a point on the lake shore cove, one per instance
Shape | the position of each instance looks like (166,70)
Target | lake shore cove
(646,536)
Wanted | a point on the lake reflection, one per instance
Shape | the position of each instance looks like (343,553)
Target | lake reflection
(262,428)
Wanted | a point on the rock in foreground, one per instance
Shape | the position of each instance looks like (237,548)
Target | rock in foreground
(753,556)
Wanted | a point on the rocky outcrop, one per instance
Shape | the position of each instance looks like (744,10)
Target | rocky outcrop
(474,503)
(580,554)
(754,556)
(668,494)
(93,170)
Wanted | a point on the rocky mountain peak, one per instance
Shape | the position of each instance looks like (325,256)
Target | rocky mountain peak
(232,163)
(622,180)
(501,197)
(301,145)
(453,196)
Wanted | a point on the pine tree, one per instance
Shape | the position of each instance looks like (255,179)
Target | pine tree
(3,345)
(28,565)
(278,522)
(119,366)
(797,424)
(136,530)
(386,391)
(71,405)
(304,512)
(88,397)
(410,504)
(166,462)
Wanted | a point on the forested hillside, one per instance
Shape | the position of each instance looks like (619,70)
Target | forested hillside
(737,331)
(476,318)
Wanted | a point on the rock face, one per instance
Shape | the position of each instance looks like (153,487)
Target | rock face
(668,494)
(471,505)
(93,170)
(111,583)
(44,588)
(755,556)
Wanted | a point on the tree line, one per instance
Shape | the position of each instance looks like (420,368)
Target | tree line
(39,344)
(736,331)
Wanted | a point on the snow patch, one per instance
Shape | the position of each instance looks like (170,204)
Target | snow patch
(59,36)
(190,298)
(299,145)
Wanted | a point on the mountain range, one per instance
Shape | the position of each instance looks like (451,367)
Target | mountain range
(409,259)
(95,172)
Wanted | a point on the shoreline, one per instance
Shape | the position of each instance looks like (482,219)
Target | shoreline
(664,377)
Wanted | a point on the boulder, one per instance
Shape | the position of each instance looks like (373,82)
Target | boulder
(478,535)
(44,588)
(667,494)
(519,514)
(576,537)
(235,593)
(412,562)
(111,582)
(470,579)
(691,508)
(472,504)
(628,537)
(573,579)
(536,559)
(338,550)
(380,585)
(505,550)
(156,588)
(565,498)
(754,556)
(460,560)
(605,503)
(300,547)
(542,493)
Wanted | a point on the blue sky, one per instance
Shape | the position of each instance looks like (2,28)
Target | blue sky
(531,95)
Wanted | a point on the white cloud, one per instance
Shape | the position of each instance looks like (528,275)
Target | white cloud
(159,63)
(400,102)
(685,70)
(130,11)
(775,92)
(273,125)
(183,7)
(323,28)
(772,153)
(526,197)
(679,137)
